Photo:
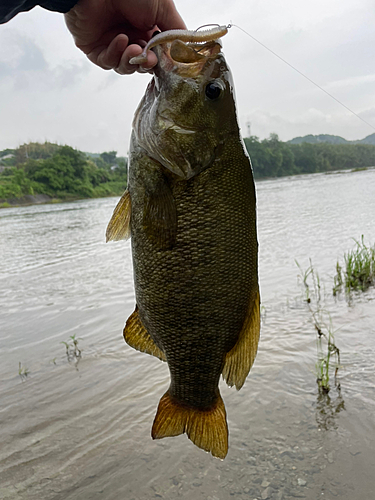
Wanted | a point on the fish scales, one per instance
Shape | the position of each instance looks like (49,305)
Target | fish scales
(191,298)
(194,245)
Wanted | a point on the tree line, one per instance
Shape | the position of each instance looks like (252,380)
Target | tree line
(274,158)
(66,173)
(60,172)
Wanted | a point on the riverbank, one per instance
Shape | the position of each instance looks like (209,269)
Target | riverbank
(28,199)
(39,199)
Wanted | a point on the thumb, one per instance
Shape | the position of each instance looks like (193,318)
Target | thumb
(168,18)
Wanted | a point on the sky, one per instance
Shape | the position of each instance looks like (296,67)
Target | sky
(49,91)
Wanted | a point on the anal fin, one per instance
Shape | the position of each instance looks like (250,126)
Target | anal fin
(207,429)
(240,358)
(136,335)
(119,226)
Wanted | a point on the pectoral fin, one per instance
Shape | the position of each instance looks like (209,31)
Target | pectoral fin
(136,335)
(160,216)
(241,357)
(119,225)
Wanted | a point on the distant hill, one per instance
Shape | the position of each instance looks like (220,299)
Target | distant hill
(331,139)
(316,139)
(370,139)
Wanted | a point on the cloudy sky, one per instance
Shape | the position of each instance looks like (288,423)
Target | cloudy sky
(50,91)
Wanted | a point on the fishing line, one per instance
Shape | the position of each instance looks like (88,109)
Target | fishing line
(304,76)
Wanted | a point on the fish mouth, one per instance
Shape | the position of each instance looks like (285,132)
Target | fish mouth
(186,59)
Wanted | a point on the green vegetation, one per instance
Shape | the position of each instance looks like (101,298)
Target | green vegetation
(23,372)
(72,351)
(327,351)
(60,172)
(358,272)
(274,158)
(64,173)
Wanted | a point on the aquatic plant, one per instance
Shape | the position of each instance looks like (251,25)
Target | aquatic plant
(328,407)
(23,372)
(303,278)
(358,272)
(337,279)
(327,351)
(72,351)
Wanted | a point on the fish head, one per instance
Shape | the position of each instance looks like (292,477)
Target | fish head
(188,110)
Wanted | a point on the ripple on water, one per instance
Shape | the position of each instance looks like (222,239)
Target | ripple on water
(77,432)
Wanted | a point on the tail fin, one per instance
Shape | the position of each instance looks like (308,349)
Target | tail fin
(206,428)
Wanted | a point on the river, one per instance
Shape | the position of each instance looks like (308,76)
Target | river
(82,431)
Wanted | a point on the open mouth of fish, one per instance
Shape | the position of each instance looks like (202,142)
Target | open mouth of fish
(187,59)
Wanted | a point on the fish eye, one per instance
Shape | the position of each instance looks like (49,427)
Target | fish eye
(213,90)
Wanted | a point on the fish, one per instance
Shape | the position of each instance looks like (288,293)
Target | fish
(190,210)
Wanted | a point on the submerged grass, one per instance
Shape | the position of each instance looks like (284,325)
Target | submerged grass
(358,271)
(72,351)
(328,354)
(23,371)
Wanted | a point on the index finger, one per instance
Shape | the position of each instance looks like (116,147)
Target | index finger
(125,68)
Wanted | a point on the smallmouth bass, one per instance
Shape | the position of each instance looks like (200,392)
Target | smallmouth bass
(190,209)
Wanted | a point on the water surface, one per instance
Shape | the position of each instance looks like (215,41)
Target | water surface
(83,432)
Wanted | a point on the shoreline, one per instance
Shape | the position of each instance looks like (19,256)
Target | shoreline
(26,200)
(42,199)
(39,199)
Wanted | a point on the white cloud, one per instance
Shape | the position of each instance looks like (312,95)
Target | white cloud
(50,91)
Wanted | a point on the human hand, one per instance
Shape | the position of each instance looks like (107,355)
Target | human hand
(110,32)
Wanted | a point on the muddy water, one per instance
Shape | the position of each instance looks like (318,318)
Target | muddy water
(83,432)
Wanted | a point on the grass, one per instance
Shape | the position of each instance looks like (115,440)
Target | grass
(359,169)
(358,272)
(328,353)
(72,351)
(23,372)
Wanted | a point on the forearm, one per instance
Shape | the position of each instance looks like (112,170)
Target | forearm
(10,8)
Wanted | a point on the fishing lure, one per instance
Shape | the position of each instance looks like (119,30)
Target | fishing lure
(189,36)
